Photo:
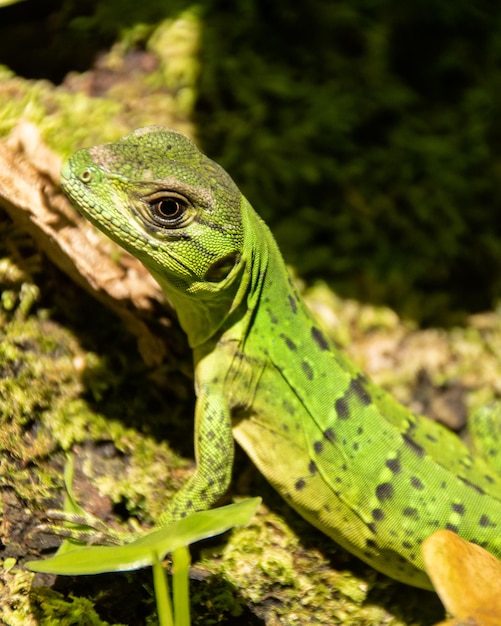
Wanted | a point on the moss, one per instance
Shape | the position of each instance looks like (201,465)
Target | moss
(374,152)
(287,584)
(46,409)
(52,608)
(15,586)
(126,90)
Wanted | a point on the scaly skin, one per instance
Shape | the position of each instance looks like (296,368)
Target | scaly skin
(342,452)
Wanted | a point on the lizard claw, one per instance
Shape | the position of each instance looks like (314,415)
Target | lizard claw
(78,526)
(82,527)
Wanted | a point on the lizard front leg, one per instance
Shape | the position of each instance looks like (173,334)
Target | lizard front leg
(214,451)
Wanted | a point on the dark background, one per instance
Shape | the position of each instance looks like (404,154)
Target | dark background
(366,132)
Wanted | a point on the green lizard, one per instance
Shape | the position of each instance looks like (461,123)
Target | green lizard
(344,454)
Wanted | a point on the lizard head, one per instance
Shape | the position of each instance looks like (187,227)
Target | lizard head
(160,198)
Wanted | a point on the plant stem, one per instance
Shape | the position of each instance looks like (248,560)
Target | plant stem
(161,585)
(180,585)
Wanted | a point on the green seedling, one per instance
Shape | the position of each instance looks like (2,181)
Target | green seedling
(149,549)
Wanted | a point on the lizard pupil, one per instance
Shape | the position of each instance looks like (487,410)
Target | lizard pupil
(168,208)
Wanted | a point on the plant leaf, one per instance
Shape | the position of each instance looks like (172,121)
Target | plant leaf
(150,547)
(466,577)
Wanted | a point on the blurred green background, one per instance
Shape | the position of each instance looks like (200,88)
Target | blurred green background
(366,132)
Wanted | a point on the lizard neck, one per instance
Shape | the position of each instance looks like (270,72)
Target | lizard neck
(209,309)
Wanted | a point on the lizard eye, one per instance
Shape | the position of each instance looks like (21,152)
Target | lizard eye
(85,176)
(168,209)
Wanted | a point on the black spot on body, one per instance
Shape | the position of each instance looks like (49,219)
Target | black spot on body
(412,445)
(407,545)
(482,544)
(378,514)
(293,304)
(300,484)
(289,343)
(312,467)
(452,527)
(431,437)
(221,481)
(394,465)
(342,409)
(273,317)
(318,446)
(372,527)
(370,543)
(472,485)
(485,522)
(358,391)
(384,492)
(458,508)
(306,367)
(416,483)
(411,512)
(330,435)
(319,338)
